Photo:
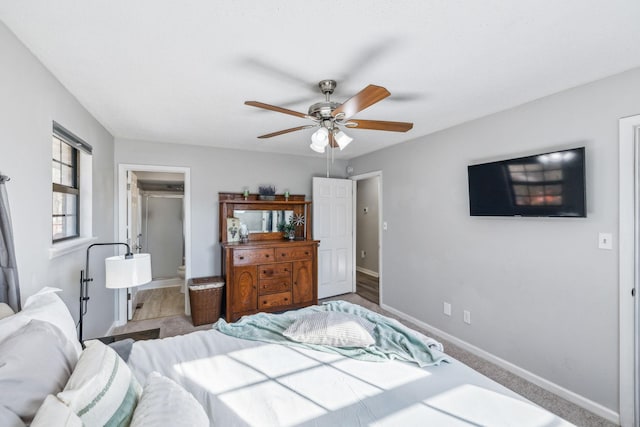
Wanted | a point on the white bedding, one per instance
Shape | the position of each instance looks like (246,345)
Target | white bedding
(249,383)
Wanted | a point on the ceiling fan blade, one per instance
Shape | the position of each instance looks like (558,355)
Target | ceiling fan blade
(363,99)
(379,125)
(282,132)
(274,108)
(332,141)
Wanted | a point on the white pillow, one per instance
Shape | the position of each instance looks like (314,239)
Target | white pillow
(35,361)
(331,328)
(166,403)
(55,413)
(101,390)
(44,305)
(5,310)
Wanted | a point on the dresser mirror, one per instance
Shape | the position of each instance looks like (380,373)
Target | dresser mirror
(263,221)
(262,217)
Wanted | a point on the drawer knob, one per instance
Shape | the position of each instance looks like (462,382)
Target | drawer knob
(283,254)
(267,255)
(306,253)
(241,257)
(286,299)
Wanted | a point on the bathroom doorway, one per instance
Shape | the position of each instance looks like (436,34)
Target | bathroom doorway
(161,234)
(154,218)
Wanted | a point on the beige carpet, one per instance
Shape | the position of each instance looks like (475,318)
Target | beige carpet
(181,324)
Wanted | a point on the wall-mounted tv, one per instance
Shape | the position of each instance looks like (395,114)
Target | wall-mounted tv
(549,184)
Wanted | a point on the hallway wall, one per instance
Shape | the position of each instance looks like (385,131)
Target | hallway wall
(162,234)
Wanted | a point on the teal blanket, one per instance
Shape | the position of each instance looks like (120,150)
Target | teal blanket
(393,339)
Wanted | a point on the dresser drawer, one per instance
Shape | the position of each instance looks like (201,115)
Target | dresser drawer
(294,253)
(269,271)
(270,286)
(252,256)
(274,300)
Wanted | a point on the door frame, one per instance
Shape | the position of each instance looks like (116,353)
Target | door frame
(380,223)
(123,168)
(629,133)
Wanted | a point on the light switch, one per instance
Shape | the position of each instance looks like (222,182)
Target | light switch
(605,241)
(384,226)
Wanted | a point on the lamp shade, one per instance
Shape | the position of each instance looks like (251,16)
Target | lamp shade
(125,273)
(319,140)
(342,139)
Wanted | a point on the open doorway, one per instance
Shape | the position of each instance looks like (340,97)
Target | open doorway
(157,224)
(154,217)
(368,220)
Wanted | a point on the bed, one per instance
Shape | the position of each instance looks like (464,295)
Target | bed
(213,378)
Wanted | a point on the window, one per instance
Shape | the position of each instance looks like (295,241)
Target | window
(65,177)
(537,184)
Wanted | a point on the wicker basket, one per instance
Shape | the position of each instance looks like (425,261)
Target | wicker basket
(205,296)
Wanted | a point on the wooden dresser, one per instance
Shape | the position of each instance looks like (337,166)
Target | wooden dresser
(268,272)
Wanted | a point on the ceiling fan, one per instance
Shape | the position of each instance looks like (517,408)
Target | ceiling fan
(329,116)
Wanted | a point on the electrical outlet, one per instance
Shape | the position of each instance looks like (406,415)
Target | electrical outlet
(363,254)
(467,317)
(384,225)
(447,309)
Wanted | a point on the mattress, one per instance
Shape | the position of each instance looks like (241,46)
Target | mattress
(249,383)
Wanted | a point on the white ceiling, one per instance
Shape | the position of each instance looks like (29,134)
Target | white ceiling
(180,71)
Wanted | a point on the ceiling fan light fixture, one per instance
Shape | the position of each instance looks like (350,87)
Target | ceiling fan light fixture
(342,139)
(316,148)
(319,140)
(320,137)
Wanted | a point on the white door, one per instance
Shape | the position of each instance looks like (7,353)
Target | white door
(333,226)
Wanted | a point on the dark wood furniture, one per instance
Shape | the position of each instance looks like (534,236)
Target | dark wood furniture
(268,272)
(148,334)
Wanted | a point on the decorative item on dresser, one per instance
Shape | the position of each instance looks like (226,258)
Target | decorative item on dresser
(266,272)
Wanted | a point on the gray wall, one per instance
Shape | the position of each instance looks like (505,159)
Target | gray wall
(162,234)
(31,99)
(541,293)
(216,170)
(367,224)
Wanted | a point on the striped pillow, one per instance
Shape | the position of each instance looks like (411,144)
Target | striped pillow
(165,403)
(331,328)
(101,390)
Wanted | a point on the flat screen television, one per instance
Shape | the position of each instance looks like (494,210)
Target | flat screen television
(544,185)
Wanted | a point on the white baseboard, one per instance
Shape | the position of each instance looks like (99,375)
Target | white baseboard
(554,388)
(114,325)
(367,272)
(162,283)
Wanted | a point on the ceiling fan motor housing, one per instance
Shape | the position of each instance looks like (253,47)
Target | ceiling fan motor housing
(327,86)
(322,110)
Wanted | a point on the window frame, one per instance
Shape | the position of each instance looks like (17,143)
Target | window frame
(76,144)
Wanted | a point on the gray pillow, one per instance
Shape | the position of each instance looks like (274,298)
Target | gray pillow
(9,419)
(35,361)
(123,348)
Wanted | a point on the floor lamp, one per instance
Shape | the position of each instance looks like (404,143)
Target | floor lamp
(121,271)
